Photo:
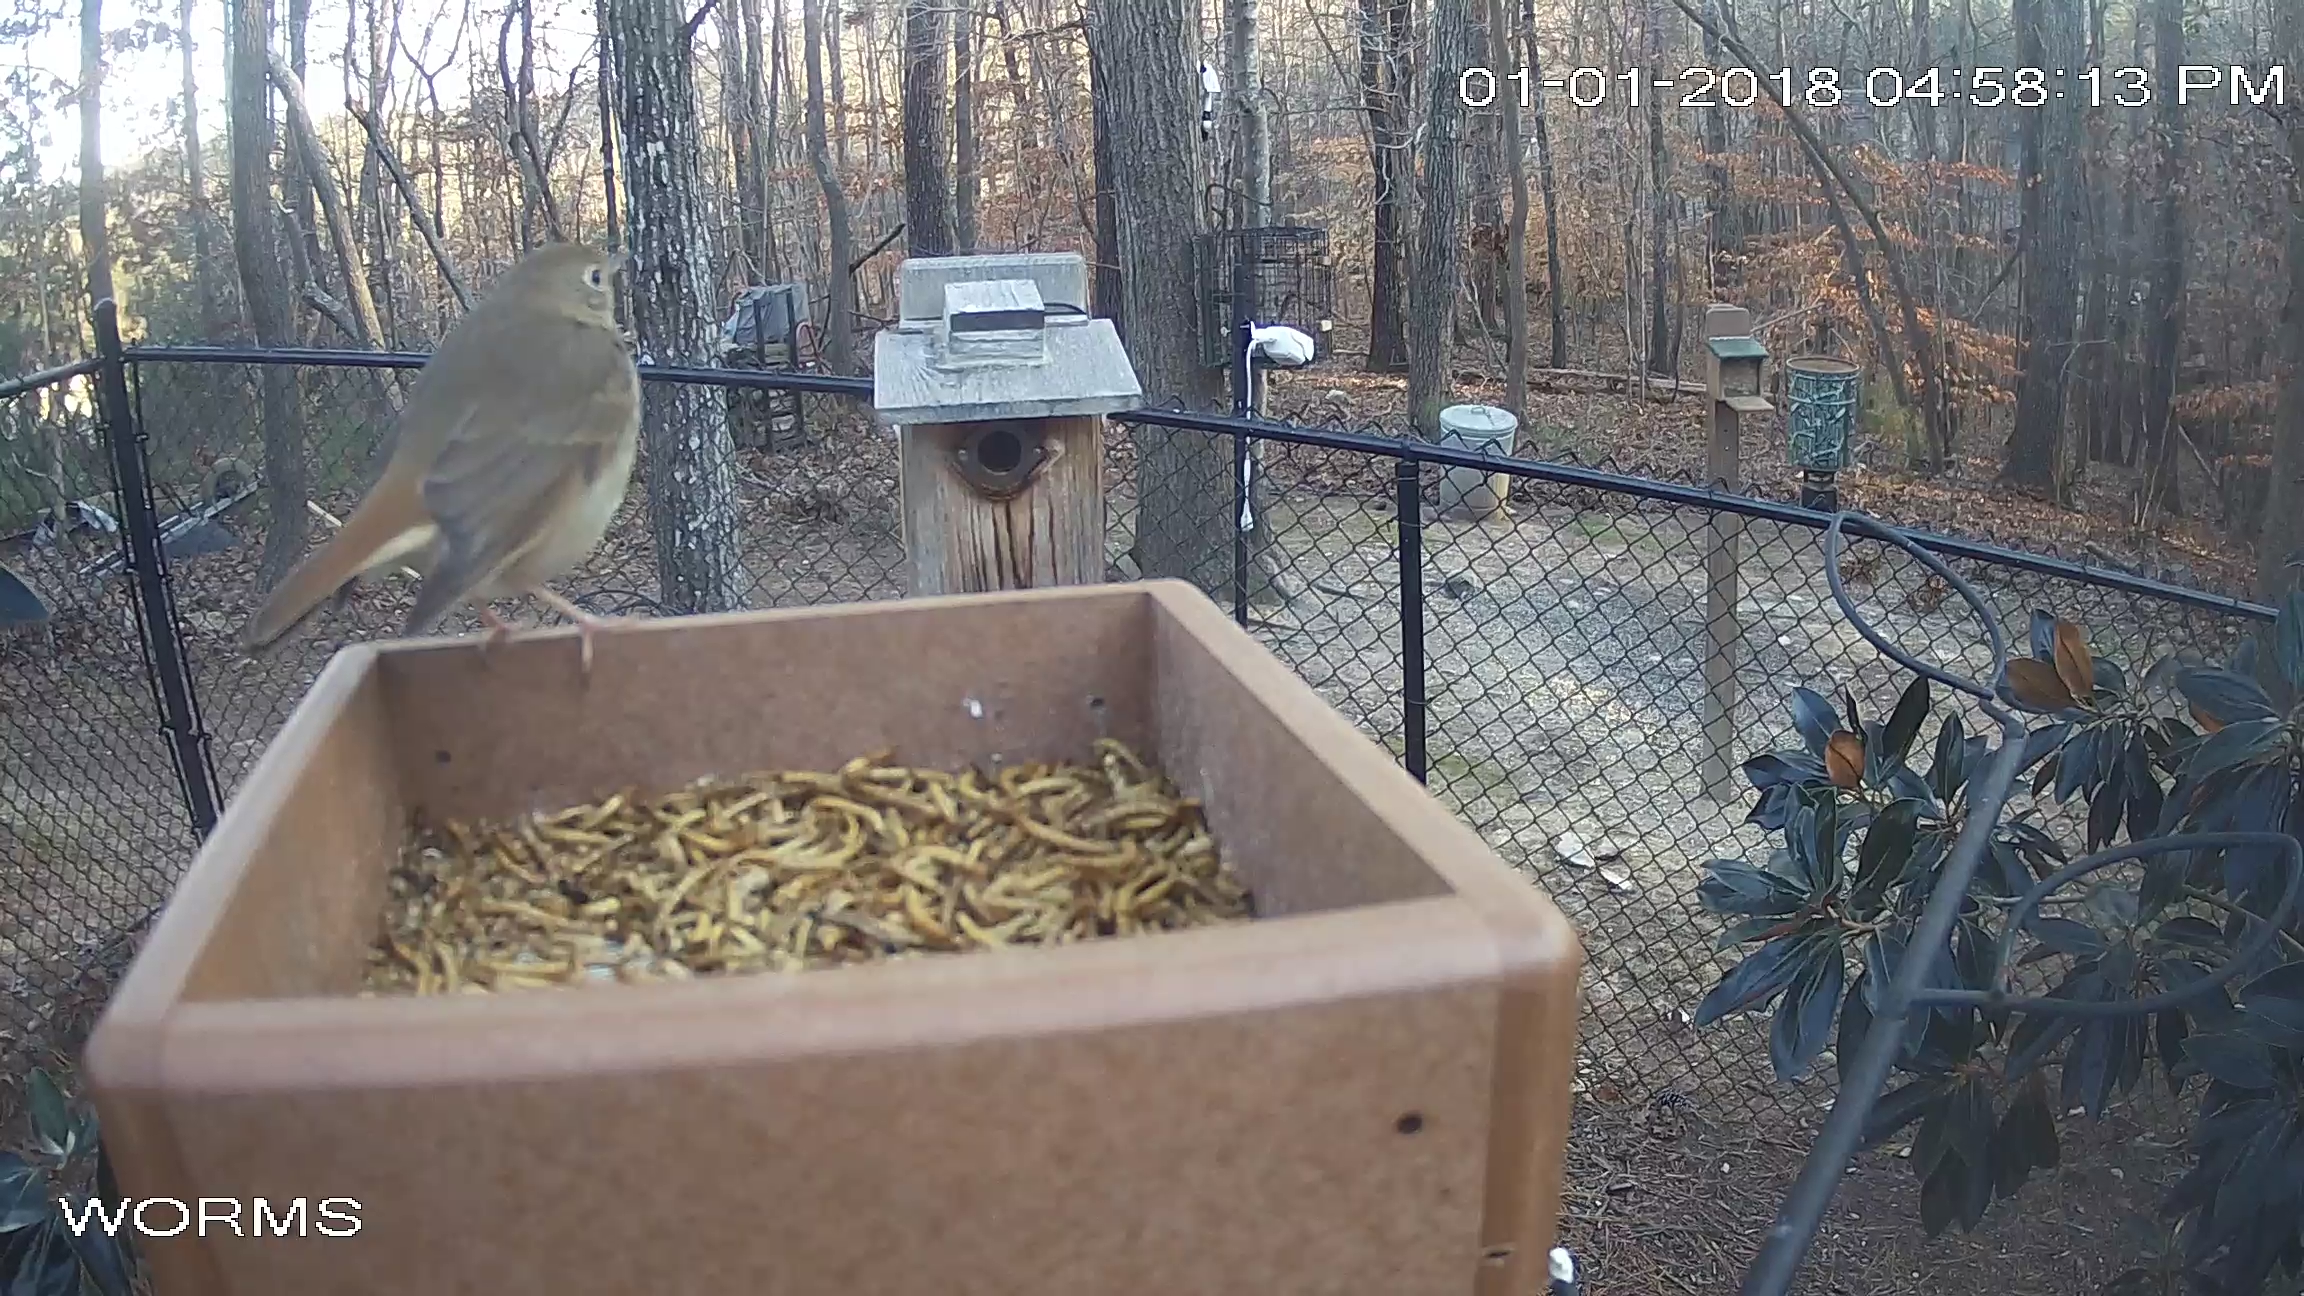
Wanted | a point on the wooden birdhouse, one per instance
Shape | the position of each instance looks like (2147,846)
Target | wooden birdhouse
(998,382)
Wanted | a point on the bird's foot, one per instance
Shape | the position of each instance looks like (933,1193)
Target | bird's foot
(499,629)
(587,624)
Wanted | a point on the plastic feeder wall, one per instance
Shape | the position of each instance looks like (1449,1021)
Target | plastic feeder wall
(1364,1091)
(1822,419)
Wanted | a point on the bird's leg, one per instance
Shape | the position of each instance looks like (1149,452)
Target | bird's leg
(498,628)
(586,624)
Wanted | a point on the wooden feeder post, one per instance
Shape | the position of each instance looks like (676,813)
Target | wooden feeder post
(1732,379)
(998,382)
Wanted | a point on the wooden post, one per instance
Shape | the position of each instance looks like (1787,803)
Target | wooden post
(1733,385)
(999,388)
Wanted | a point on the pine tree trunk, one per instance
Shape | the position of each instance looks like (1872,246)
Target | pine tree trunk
(689,455)
(1439,227)
(927,131)
(257,251)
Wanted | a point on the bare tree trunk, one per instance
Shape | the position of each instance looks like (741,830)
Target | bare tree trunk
(1659,210)
(1500,47)
(256,250)
(1109,291)
(838,68)
(1147,87)
(1251,179)
(95,235)
(1828,174)
(927,131)
(1724,236)
(690,456)
(840,291)
(1383,96)
(2045,179)
(760,110)
(2284,501)
(964,160)
(743,258)
(2164,324)
(605,84)
(314,164)
(374,209)
(1440,200)
(426,226)
(1555,276)
(304,227)
(196,189)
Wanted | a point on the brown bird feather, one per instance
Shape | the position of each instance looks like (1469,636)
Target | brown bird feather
(516,447)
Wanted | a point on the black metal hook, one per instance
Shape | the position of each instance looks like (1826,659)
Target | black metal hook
(1879,531)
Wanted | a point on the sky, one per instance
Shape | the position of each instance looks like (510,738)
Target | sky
(140,86)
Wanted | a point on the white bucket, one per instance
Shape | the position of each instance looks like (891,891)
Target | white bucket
(1469,494)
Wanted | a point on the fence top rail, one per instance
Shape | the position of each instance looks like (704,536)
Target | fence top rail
(1403,448)
(319,358)
(34,381)
(1708,498)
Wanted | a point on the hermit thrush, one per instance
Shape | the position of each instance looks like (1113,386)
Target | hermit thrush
(516,447)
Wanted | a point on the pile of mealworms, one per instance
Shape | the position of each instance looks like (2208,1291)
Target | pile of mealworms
(795,869)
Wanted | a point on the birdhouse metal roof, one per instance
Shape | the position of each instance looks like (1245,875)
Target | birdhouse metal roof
(1737,348)
(1082,370)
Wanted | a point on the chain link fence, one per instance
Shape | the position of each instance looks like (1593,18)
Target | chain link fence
(1574,674)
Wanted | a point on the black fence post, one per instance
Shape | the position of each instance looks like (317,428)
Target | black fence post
(1409,500)
(147,566)
(1243,406)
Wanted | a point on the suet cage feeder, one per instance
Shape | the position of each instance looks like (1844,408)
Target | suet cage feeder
(1289,274)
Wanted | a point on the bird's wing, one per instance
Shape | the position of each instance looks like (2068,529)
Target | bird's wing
(534,436)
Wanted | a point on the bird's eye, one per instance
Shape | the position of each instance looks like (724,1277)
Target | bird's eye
(592,276)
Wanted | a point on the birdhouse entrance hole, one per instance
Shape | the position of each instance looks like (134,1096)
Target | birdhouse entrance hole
(1000,459)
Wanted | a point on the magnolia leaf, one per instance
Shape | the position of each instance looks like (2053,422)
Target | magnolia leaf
(2207,722)
(2075,666)
(1844,759)
(2038,685)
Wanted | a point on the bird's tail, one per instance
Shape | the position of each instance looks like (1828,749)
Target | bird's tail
(365,540)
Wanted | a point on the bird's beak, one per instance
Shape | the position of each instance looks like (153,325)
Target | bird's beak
(619,262)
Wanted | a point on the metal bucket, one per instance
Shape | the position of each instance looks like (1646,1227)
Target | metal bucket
(1822,419)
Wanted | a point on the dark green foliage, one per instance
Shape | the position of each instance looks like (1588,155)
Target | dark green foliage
(41,1195)
(1867,811)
